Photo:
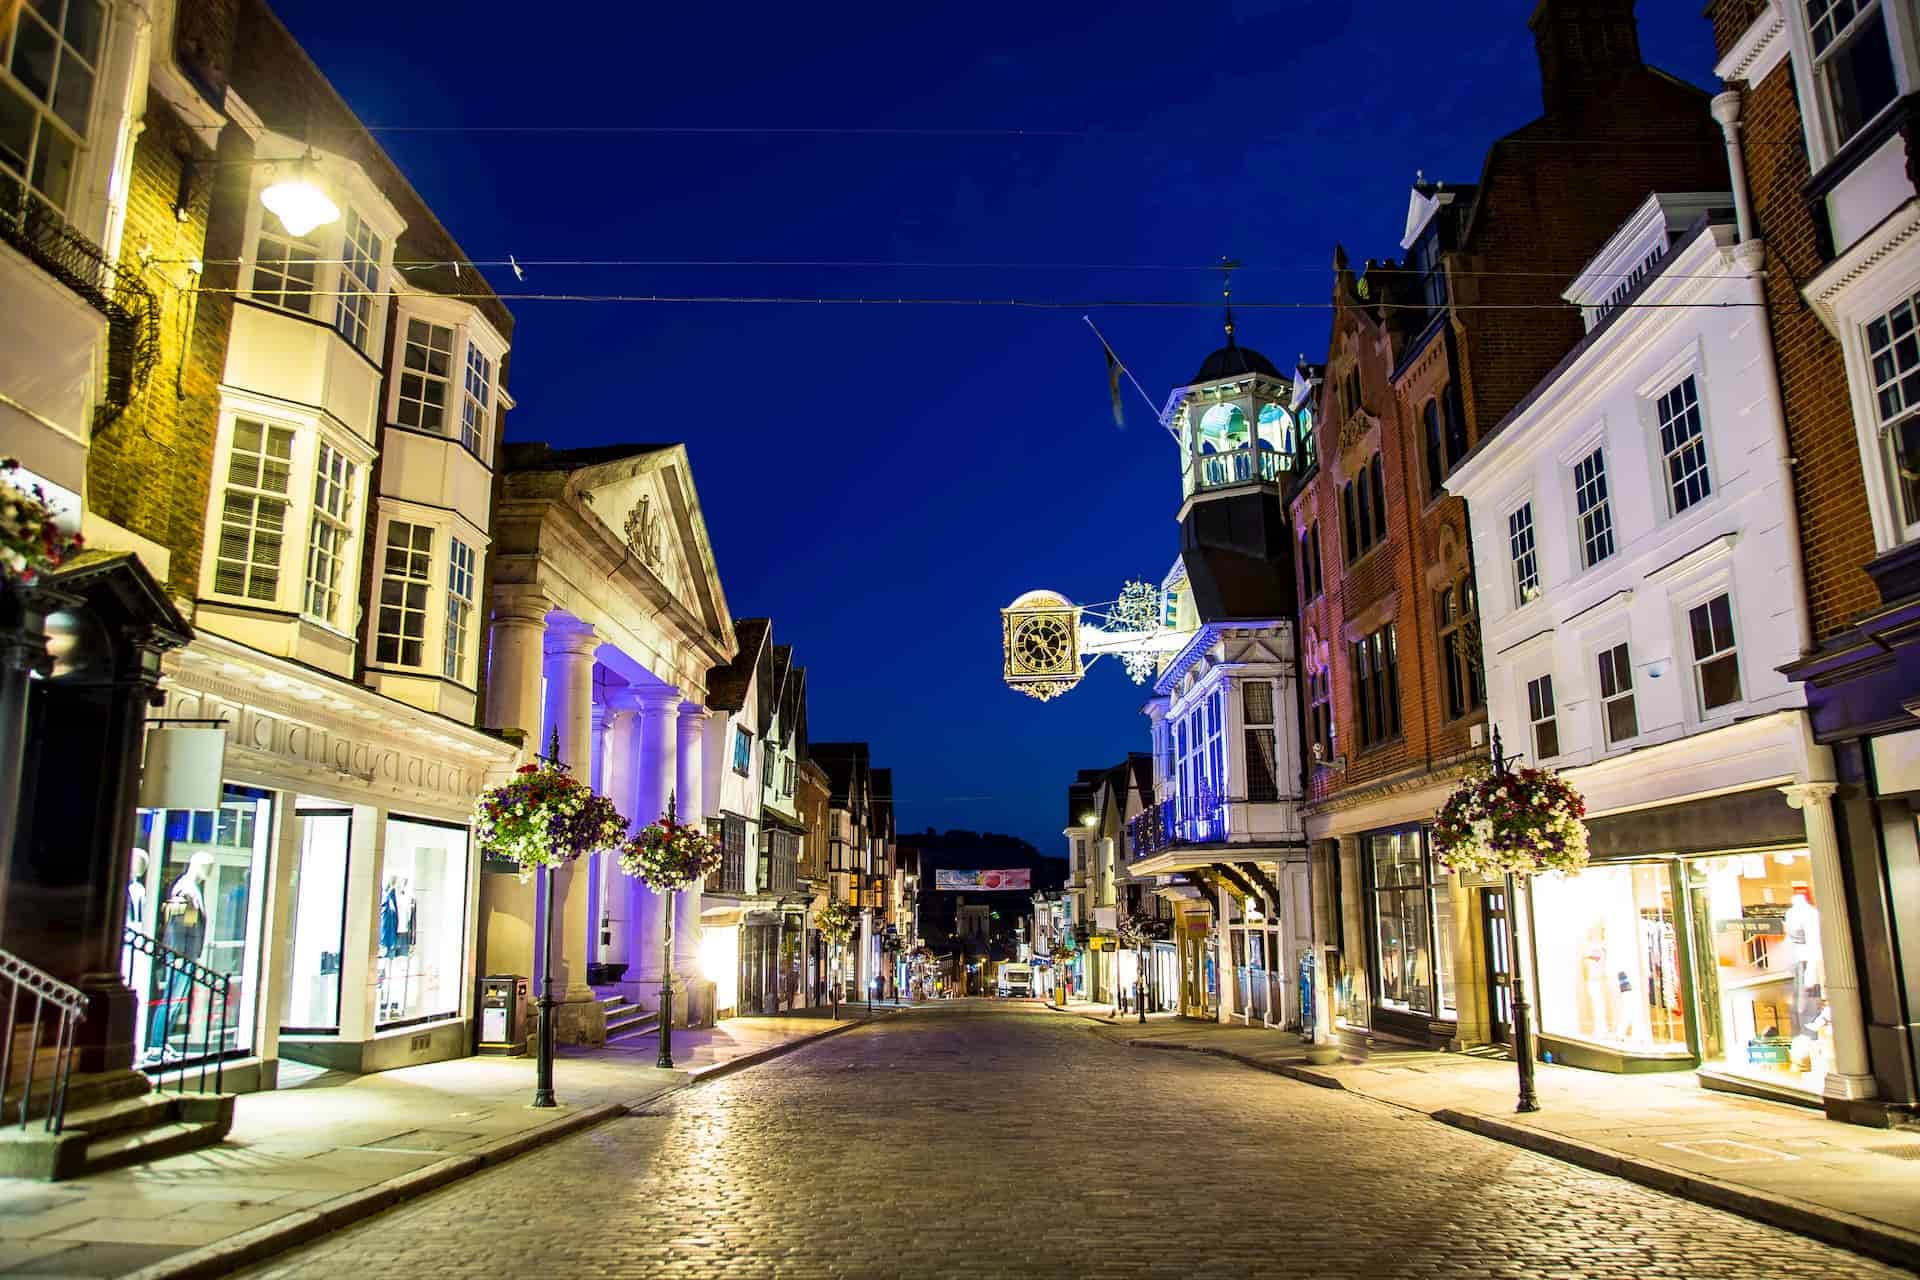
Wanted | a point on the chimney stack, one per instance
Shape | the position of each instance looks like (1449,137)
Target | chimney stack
(1584,47)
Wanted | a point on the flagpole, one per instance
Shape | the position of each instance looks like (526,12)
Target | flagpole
(1115,357)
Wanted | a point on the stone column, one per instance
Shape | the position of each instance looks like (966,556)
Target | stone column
(1852,1076)
(569,717)
(612,924)
(597,863)
(516,663)
(1353,918)
(654,777)
(1227,976)
(695,806)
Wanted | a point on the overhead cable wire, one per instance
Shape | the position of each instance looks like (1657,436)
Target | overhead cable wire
(1045,304)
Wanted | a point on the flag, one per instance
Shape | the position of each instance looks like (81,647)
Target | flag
(1114,370)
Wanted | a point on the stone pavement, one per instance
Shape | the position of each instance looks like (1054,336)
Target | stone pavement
(1786,1165)
(986,1139)
(340,1146)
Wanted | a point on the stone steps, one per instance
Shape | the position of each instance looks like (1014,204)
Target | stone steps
(115,1133)
(626,1020)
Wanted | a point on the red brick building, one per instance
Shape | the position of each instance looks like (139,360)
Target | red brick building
(1821,106)
(1425,355)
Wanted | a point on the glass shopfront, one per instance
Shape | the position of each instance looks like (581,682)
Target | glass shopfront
(1713,959)
(1763,1008)
(195,897)
(1412,905)
(1608,953)
(319,922)
(421,921)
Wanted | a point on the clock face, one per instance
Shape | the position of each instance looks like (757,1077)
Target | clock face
(1042,644)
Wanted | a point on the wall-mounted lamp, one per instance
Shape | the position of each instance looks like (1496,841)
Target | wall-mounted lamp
(299,198)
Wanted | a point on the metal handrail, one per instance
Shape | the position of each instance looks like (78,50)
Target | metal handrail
(69,1004)
(190,977)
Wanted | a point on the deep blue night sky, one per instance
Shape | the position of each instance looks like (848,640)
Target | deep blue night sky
(881,480)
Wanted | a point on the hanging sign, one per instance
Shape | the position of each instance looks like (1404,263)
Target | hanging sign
(182,768)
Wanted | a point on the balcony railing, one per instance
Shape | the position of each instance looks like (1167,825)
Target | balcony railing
(133,313)
(1198,818)
(1246,465)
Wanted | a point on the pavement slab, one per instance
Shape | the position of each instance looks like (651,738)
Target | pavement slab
(304,1160)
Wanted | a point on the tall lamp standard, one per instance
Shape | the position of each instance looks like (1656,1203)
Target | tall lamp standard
(1529,1099)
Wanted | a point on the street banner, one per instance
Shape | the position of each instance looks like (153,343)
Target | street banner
(1013,878)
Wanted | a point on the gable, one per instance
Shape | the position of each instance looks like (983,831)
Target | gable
(647,503)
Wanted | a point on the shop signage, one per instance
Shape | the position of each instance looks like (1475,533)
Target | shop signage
(1014,878)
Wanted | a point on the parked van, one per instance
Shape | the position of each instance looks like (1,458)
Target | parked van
(1016,980)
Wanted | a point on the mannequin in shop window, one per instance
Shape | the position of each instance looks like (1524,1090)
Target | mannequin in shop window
(137,892)
(1806,964)
(399,918)
(183,930)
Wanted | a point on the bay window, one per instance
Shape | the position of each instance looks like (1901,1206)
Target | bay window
(1893,354)
(283,525)
(1853,62)
(1263,765)
(49,62)
(359,282)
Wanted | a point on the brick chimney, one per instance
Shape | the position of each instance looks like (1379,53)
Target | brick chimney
(1584,46)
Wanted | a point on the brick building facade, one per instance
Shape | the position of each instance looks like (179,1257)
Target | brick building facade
(1823,108)
(1427,354)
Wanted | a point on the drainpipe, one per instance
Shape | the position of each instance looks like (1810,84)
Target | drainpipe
(1751,255)
(1726,109)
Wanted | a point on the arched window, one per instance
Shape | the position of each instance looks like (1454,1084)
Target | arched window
(1436,460)
(1457,609)
(1223,429)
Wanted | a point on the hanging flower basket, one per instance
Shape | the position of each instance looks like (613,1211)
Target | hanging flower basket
(545,817)
(1063,951)
(31,542)
(1527,822)
(667,856)
(835,922)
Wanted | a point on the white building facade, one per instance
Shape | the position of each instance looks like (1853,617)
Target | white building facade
(1637,560)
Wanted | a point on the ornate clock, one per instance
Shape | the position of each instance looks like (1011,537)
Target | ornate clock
(1040,645)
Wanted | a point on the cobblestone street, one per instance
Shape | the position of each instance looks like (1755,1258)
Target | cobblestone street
(983,1140)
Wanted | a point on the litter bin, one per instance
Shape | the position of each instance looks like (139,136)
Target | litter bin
(502,1025)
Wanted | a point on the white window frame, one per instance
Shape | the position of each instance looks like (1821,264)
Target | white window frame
(1604,738)
(476,409)
(446,526)
(456,642)
(1820,123)
(258,493)
(47,117)
(471,334)
(1694,592)
(1528,677)
(1652,393)
(344,524)
(403,348)
(422,558)
(310,432)
(1514,583)
(360,283)
(1882,455)
(1598,448)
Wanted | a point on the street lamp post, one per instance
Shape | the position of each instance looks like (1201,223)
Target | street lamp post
(665,1060)
(543,1027)
(1529,1099)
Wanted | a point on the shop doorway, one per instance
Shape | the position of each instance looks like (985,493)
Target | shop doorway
(1496,944)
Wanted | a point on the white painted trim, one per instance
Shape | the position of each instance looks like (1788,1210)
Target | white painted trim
(1758,50)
